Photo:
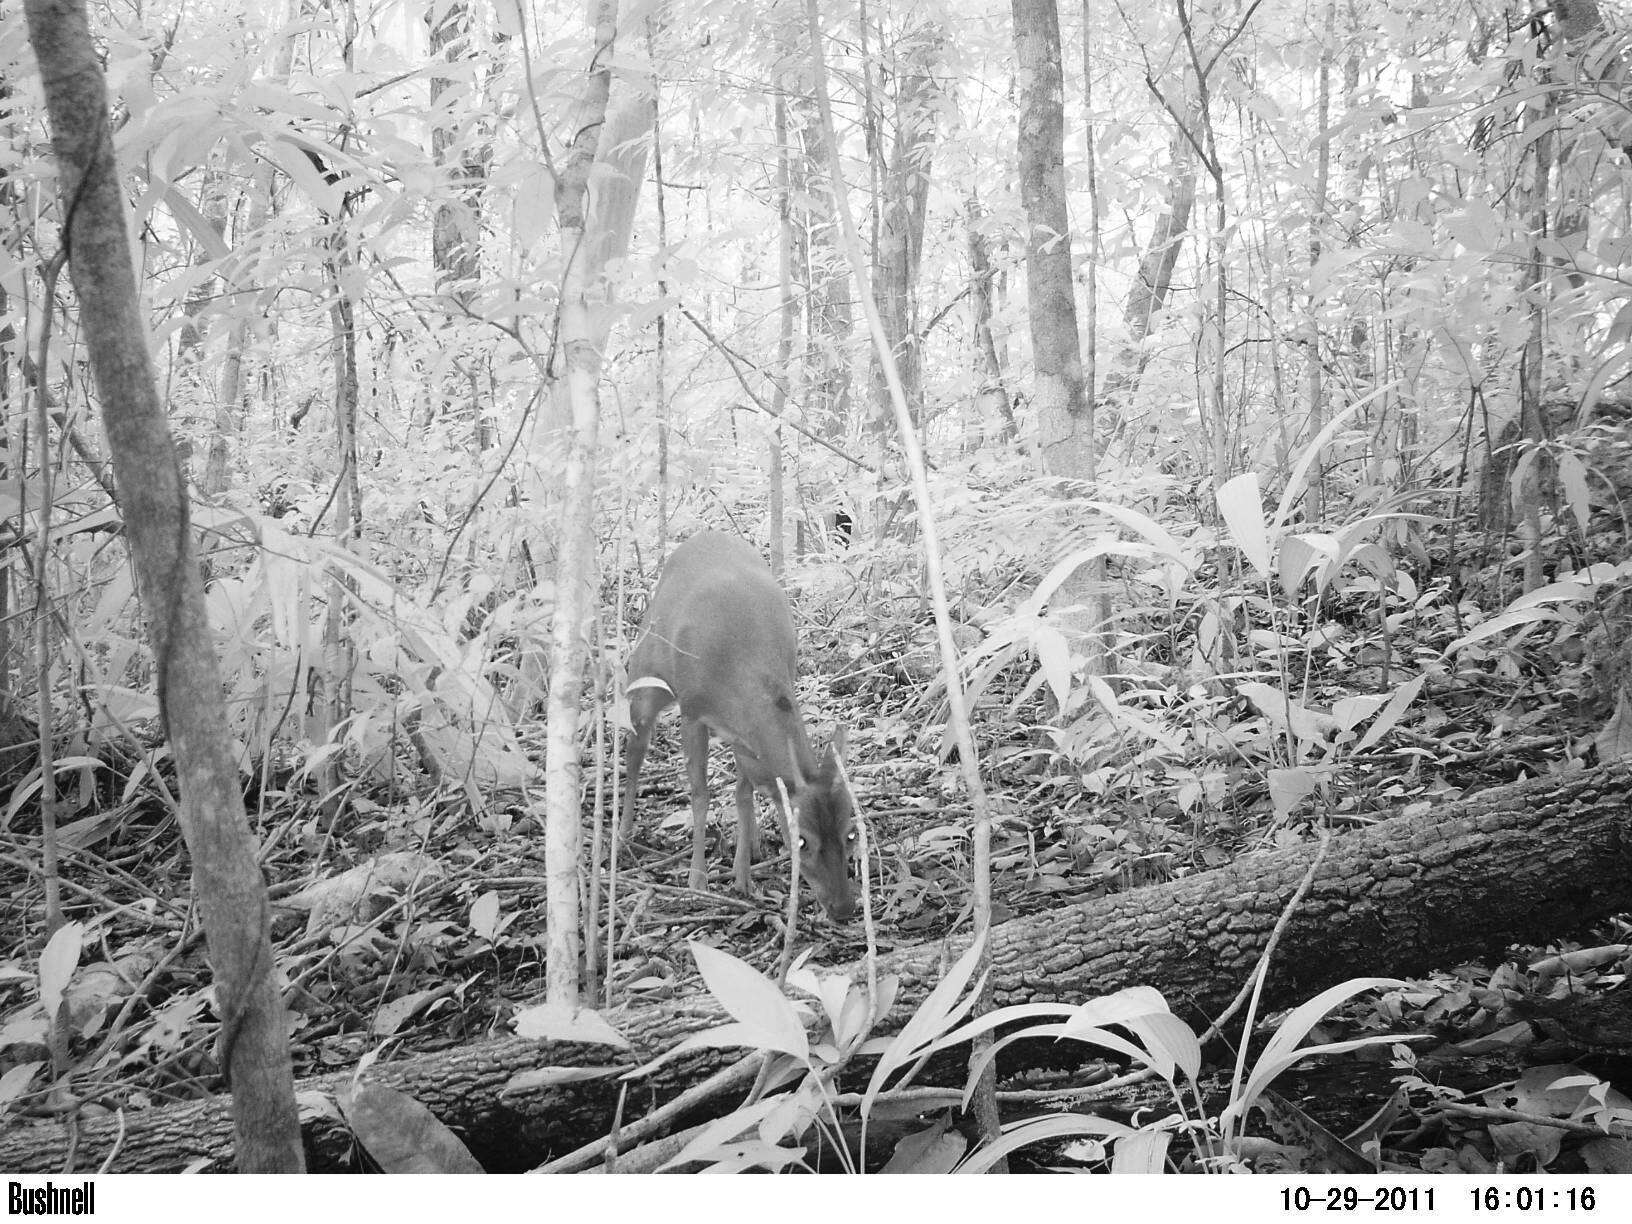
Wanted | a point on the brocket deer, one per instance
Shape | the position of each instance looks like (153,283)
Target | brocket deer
(718,638)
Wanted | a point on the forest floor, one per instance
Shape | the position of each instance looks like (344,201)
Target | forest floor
(449,961)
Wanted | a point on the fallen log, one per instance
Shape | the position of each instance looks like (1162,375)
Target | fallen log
(1523,863)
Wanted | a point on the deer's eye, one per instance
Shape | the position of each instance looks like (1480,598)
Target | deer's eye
(803,844)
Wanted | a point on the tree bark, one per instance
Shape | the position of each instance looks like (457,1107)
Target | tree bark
(904,206)
(1147,297)
(153,501)
(456,220)
(995,412)
(1522,863)
(787,318)
(1314,371)
(1051,303)
(594,231)
(826,285)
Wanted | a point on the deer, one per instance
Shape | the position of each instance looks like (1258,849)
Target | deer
(718,640)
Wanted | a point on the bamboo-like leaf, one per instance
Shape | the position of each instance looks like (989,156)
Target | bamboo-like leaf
(931,1018)
(1501,623)
(1170,1040)
(1281,1051)
(1295,481)
(734,1124)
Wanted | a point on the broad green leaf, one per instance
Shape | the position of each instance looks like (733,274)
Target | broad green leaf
(1034,1130)
(722,1130)
(996,1019)
(935,1150)
(401,1134)
(1501,623)
(292,160)
(1566,590)
(752,1155)
(1243,510)
(1143,1152)
(194,222)
(1301,553)
(1169,1039)
(1617,335)
(554,1022)
(977,1066)
(549,1077)
(1054,657)
(1292,494)
(1281,1049)
(484,916)
(1126,718)
(752,999)
(1350,712)
(1119,1007)
(1072,1030)
(795,1111)
(1307,725)
(1060,571)
(1614,739)
(932,1018)
(1265,1073)
(1572,475)
(1397,705)
(15,1082)
(57,963)
(1290,787)
(1148,527)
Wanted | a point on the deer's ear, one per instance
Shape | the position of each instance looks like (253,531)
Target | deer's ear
(799,780)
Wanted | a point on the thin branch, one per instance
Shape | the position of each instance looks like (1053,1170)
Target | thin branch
(732,358)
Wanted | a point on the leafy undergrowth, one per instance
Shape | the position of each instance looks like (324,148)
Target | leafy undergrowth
(425,931)
(1195,1116)
(1317,681)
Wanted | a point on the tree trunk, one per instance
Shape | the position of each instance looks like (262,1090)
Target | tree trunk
(1522,863)
(1573,64)
(1315,493)
(1147,297)
(1541,114)
(1051,304)
(1096,254)
(593,232)
(994,412)
(339,654)
(787,318)
(192,339)
(227,879)
(827,289)
(660,354)
(901,224)
(456,222)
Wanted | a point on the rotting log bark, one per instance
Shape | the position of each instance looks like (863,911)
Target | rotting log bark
(1523,863)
